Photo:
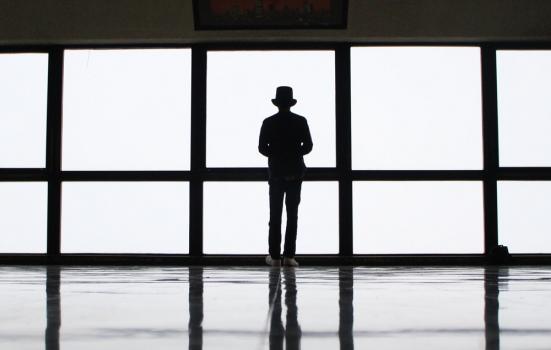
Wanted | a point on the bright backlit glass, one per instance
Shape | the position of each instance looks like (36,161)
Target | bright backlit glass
(240,87)
(405,217)
(416,108)
(524,106)
(237,214)
(23,217)
(127,109)
(23,104)
(523,213)
(125,217)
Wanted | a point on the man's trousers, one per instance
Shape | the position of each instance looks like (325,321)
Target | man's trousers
(290,189)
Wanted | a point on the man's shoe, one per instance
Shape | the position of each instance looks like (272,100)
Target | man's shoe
(290,262)
(273,262)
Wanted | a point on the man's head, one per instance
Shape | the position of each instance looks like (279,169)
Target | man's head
(284,97)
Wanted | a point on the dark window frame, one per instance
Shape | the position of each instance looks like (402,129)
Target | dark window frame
(342,172)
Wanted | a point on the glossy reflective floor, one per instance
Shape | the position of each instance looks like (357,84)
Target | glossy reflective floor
(262,308)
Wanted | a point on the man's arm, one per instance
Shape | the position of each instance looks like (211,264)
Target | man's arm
(263,145)
(307,144)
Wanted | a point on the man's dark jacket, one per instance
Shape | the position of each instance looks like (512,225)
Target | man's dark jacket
(285,138)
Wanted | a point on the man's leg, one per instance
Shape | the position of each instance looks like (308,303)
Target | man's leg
(276,206)
(292,200)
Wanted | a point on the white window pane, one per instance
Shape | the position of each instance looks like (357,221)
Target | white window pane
(23,217)
(416,108)
(318,218)
(418,217)
(524,108)
(237,214)
(127,109)
(240,87)
(23,104)
(523,212)
(125,217)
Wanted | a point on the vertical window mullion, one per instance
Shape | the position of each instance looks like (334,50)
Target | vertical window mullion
(53,149)
(198,148)
(491,151)
(343,149)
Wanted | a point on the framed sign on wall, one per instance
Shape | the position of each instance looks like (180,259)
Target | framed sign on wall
(270,14)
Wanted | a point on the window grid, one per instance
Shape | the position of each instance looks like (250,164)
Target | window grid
(198,173)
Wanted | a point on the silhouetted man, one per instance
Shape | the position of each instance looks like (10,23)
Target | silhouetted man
(284,139)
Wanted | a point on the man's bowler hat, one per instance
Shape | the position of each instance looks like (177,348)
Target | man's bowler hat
(284,97)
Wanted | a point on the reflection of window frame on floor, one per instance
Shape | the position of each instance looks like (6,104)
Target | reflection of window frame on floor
(199,173)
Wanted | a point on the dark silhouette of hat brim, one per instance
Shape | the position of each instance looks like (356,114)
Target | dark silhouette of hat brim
(284,102)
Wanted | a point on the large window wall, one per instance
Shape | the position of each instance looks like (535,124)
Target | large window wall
(23,116)
(524,149)
(417,149)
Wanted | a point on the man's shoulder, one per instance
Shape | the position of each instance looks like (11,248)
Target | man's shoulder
(270,118)
(298,116)
(277,118)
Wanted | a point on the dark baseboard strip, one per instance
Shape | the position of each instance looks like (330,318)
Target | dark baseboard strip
(256,260)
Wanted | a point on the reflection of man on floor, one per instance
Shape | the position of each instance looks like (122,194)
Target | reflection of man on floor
(292,332)
(284,139)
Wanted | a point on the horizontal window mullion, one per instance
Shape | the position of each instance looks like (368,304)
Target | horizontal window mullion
(524,173)
(23,174)
(421,175)
(126,175)
(261,174)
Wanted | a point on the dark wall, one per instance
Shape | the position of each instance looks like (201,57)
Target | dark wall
(171,21)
